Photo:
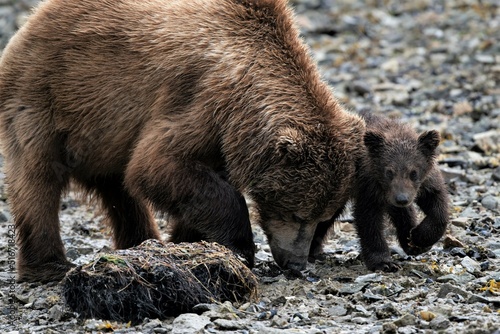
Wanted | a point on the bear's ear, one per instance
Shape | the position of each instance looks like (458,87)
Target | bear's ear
(374,142)
(428,141)
(290,143)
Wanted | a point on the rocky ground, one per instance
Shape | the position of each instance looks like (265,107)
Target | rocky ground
(435,64)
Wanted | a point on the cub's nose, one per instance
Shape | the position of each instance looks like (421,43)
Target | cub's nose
(402,199)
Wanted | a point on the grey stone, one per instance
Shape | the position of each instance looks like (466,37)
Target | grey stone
(189,323)
(458,278)
(496,174)
(484,58)
(368,278)
(406,320)
(360,87)
(386,311)
(153,323)
(225,324)
(351,288)
(56,312)
(490,202)
(440,322)
(337,311)
(452,173)
(470,265)
(447,288)
(489,141)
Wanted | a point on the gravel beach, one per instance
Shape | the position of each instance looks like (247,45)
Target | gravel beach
(434,64)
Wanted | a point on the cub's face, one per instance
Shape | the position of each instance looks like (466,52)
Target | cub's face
(402,182)
(400,163)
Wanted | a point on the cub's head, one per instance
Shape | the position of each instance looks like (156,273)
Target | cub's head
(400,160)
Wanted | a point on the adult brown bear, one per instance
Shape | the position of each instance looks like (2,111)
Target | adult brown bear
(177,106)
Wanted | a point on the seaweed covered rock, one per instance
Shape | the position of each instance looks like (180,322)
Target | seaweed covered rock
(157,280)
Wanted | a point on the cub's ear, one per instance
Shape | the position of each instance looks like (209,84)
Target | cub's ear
(291,143)
(374,142)
(428,141)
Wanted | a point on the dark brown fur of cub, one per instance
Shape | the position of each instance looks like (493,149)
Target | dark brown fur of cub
(149,104)
(398,170)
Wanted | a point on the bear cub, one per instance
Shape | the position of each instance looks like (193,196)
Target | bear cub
(397,170)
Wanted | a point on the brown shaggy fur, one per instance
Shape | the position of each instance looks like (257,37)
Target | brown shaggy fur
(182,105)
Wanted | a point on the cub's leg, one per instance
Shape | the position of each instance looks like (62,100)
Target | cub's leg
(369,220)
(131,220)
(202,204)
(404,219)
(434,203)
(34,194)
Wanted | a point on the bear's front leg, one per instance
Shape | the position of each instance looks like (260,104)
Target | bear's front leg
(201,203)
(433,201)
(369,221)
(316,250)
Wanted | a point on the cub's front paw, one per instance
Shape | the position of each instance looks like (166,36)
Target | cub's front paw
(411,249)
(418,242)
(426,234)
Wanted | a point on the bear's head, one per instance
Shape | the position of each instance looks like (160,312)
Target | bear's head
(305,180)
(399,160)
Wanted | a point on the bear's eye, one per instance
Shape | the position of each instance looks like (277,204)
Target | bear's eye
(389,174)
(413,175)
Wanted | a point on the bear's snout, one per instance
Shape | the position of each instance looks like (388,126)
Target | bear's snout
(288,260)
(402,199)
(401,192)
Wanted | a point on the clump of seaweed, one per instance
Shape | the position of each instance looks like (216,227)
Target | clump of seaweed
(157,280)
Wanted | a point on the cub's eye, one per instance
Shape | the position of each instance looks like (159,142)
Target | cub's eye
(389,174)
(413,175)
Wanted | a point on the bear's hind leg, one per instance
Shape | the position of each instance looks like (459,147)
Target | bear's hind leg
(35,189)
(131,220)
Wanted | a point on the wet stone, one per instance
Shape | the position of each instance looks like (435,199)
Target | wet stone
(351,288)
(449,288)
(229,324)
(188,323)
(458,251)
(459,279)
(440,322)
(470,265)
(406,320)
(386,311)
(496,174)
(490,202)
(337,311)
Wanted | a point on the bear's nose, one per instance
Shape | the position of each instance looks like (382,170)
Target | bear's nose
(402,199)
